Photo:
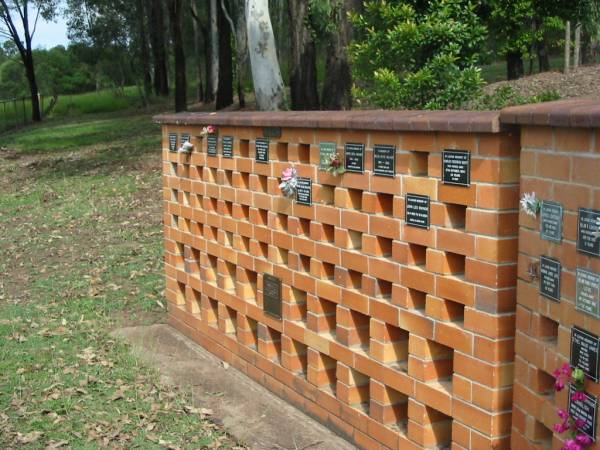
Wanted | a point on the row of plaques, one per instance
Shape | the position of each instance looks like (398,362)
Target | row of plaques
(456,164)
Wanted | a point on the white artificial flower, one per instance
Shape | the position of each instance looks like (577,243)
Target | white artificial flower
(186,147)
(530,204)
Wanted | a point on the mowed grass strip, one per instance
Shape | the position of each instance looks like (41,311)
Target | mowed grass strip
(80,254)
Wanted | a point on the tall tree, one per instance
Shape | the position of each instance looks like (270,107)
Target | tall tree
(337,88)
(266,74)
(214,49)
(225,84)
(24,14)
(158,45)
(144,52)
(198,47)
(176,21)
(303,78)
(238,28)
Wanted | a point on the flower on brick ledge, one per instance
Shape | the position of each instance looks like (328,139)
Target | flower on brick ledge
(578,440)
(336,167)
(186,147)
(289,182)
(530,204)
(209,129)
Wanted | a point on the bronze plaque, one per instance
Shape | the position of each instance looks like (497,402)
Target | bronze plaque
(272,295)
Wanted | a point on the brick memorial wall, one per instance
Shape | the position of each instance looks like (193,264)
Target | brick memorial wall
(382,301)
(558,306)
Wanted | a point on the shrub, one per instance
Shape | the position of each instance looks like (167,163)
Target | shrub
(408,59)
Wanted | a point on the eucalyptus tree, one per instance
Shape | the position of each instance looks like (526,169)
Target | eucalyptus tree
(18,22)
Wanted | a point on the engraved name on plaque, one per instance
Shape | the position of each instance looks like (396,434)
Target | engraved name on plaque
(355,157)
(588,226)
(384,160)
(587,298)
(586,411)
(262,150)
(584,352)
(172,142)
(304,191)
(550,278)
(227,146)
(211,144)
(272,295)
(417,210)
(456,167)
(326,151)
(551,220)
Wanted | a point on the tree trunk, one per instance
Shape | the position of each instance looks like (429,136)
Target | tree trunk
(303,78)
(214,47)
(36,114)
(144,52)
(568,47)
(266,74)
(577,49)
(197,52)
(337,89)
(176,15)
(514,65)
(241,44)
(225,89)
(157,40)
(543,56)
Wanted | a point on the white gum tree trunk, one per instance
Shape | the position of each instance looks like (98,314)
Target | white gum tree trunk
(214,47)
(268,84)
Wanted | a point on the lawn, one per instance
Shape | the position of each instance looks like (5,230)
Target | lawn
(80,255)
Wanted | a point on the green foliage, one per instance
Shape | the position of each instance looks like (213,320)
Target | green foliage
(96,102)
(409,59)
(507,96)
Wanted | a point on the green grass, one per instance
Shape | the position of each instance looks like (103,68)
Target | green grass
(80,254)
(497,71)
(14,113)
(97,102)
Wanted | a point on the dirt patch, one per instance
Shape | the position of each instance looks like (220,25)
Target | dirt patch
(583,82)
(250,413)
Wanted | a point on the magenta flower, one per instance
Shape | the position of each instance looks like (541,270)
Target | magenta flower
(561,427)
(566,370)
(579,423)
(578,396)
(564,415)
(559,385)
(570,444)
(583,440)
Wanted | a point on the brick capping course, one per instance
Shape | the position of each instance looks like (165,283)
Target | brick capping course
(579,113)
(450,121)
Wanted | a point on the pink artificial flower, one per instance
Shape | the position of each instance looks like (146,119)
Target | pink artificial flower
(561,427)
(557,373)
(559,385)
(583,439)
(210,129)
(579,423)
(566,370)
(564,415)
(287,174)
(578,396)
(570,444)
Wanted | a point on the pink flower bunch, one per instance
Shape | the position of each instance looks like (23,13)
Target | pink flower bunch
(335,165)
(289,182)
(564,376)
(209,129)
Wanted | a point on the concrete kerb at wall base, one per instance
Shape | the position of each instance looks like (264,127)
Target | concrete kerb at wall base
(399,332)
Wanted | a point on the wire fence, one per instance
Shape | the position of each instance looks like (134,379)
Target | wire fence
(16,112)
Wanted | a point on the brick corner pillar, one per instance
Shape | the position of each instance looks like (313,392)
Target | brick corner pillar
(560,162)
(381,301)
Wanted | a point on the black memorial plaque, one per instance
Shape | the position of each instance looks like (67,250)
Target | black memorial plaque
(272,295)
(584,352)
(262,150)
(304,191)
(172,142)
(456,167)
(588,241)
(355,157)
(550,278)
(417,210)
(587,298)
(384,160)
(272,132)
(185,137)
(211,144)
(551,221)
(227,146)
(326,151)
(586,411)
